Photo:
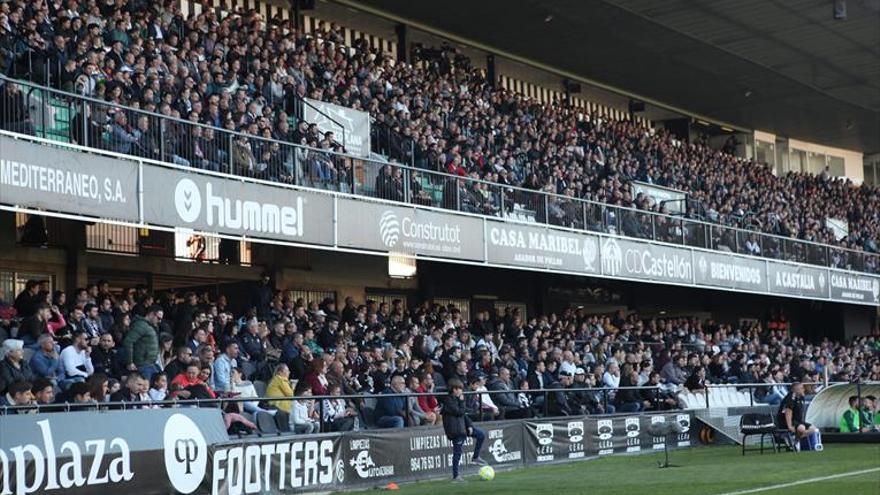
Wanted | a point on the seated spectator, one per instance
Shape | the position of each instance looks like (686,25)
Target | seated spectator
(17,394)
(158,387)
(44,392)
(76,360)
(106,358)
(868,413)
(391,411)
(136,390)
(338,415)
(850,420)
(697,382)
(280,386)
(508,405)
(304,418)
(182,358)
(13,368)
(45,363)
(417,416)
(223,367)
(76,398)
(189,385)
(628,399)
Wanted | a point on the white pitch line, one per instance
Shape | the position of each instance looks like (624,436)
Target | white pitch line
(802,482)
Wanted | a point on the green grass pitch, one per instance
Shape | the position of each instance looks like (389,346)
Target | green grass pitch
(704,471)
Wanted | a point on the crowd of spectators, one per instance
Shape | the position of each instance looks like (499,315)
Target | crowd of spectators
(238,71)
(133,346)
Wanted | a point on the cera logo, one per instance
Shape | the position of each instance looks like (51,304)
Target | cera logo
(605,429)
(575,431)
(633,428)
(186,453)
(389,228)
(234,214)
(545,433)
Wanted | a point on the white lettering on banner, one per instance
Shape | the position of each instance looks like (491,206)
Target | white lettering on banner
(363,463)
(424,236)
(662,266)
(795,280)
(734,273)
(56,181)
(548,246)
(48,475)
(251,216)
(250,468)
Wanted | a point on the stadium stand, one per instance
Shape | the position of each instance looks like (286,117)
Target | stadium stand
(196,341)
(239,71)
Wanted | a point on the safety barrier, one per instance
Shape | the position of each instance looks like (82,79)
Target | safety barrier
(186,450)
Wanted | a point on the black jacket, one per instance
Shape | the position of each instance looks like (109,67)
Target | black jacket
(455,420)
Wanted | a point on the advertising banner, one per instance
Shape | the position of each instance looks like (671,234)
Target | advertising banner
(853,287)
(336,119)
(288,464)
(636,260)
(557,440)
(382,227)
(732,272)
(377,456)
(577,437)
(87,452)
(798,280)
(541,247)
(632,434)
(217,204)
(52,178)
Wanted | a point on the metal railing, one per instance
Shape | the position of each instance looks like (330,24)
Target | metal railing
(55,115)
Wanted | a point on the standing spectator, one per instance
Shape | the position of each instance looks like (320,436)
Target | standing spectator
(261,298)
(141,343)
(27,302)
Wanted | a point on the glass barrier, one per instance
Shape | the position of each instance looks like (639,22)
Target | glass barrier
(69,118)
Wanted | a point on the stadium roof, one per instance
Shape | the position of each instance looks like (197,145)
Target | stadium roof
(783,66)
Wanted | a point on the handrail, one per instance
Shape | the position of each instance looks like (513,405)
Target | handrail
(504,189)
(328,117)
(238,399)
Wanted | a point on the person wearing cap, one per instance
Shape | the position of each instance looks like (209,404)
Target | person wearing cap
(557,401)
(13,368)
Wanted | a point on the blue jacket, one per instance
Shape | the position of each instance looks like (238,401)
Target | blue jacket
(390,406)
(44,366)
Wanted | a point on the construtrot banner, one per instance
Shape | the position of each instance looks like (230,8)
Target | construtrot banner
(57,179)
(217,204)
(336,119)
(89,452)
(541,247)
(382,227)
